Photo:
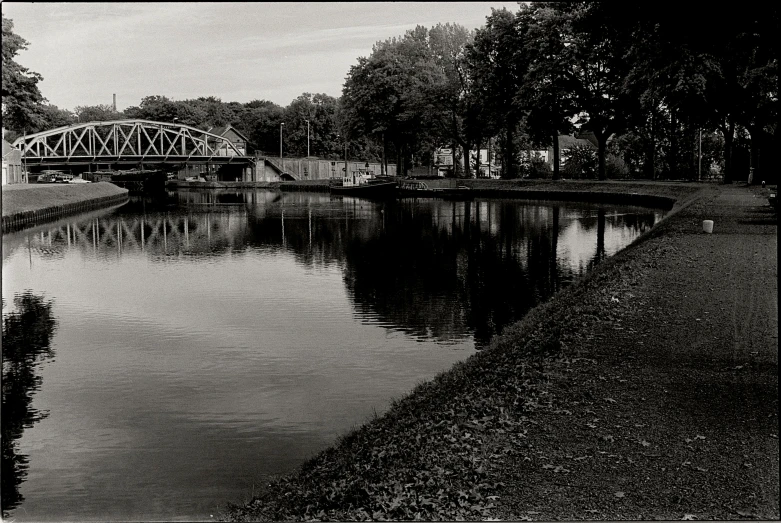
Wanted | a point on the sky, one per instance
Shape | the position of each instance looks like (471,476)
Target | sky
(238,52)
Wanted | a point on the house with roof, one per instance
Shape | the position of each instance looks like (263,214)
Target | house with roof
(234,135)
(12,164)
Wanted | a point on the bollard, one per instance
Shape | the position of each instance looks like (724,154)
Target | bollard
(707,226)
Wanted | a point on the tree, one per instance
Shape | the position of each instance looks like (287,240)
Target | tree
(596,45)
(454,109)
(497,73)
(320,110)
(96,113)
(21,98)
(546,94)
(261,121)
(385,95)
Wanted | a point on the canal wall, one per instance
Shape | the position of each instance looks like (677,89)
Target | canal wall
(25,204)
(267,169)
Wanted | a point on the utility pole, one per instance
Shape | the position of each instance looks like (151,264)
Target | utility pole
(307,138)
(280,143)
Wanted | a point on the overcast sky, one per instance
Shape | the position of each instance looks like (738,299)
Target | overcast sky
(238,52)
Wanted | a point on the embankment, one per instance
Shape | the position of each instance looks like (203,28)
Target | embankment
(27,204)
(646,390)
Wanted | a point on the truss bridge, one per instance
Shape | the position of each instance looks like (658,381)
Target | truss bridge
(128,142)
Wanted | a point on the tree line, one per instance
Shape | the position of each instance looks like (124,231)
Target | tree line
(660,94)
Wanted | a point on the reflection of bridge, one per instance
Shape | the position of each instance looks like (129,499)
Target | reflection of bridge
(159,233)
(128,142)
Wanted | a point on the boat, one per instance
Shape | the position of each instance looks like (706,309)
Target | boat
(418,189)
(49,176)
(366,186)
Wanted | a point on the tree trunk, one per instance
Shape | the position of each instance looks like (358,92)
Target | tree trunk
(384,164)
(650,158)
(673,160)
(601,148)
(509,170)
(756,144)
(556,161)
(467,167)
(455,160)
(728,130)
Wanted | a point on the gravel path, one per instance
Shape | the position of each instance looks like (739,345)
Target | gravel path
(647,391)
(673,412)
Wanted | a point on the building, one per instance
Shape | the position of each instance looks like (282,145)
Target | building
(444,163)
(236,138)
(566,142)
(12,165)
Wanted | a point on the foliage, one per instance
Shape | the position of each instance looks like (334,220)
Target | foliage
(21,97)
(497,69)
(96,113)
(580,161)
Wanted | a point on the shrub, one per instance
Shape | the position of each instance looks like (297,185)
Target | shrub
(579,161)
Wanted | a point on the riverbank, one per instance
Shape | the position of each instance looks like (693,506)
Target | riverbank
(648,390)
(25,204)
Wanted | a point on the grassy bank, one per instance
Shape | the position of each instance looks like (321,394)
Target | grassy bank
(582,410)
(24,204)
(35,197)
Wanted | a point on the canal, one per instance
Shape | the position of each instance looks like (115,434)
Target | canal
(169,356)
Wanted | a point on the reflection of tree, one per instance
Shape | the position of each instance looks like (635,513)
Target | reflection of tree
(27,335)
(433,268)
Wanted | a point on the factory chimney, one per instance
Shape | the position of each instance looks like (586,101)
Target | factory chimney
(115,102)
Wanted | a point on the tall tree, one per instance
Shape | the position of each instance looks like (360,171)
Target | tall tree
(597,44)
(455,110)
(497,72)
(21,98)
(384,95)
(547,92)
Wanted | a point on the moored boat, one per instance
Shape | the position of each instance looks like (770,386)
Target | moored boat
(359,185)
(418,189)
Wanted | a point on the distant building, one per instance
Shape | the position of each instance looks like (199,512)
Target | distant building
(12,164)
(444,162)
(236,138)
(566,142)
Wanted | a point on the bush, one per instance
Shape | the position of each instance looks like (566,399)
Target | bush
(615,167)
(580,161)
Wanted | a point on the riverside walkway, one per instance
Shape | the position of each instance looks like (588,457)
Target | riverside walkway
(649,390)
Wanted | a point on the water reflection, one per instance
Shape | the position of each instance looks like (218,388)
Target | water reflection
(27,334)
(208,339)
(436,269)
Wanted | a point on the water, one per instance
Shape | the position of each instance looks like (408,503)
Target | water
(168,356)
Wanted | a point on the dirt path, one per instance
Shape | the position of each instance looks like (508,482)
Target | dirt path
(674,413)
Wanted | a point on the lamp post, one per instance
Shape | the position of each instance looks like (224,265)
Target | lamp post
(307,138)
(281,124)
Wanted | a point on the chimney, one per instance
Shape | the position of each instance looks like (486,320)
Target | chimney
(115,102)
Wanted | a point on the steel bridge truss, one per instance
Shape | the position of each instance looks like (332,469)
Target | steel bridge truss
(126,140)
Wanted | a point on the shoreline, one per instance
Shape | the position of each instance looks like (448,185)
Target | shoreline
(28,204)
(582,409)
